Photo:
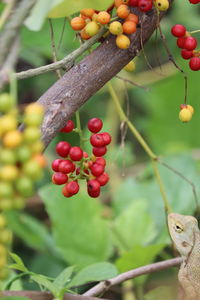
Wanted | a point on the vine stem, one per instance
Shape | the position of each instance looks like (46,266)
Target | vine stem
(142,142)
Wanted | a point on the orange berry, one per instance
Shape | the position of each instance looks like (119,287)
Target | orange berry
(88,12)
(129,27)
(122,41)
(78,23)
(84,35)
(103,17)
(12,139)
(119,2)
(116,28)
(92,28)
(132,18)
(123,11)
(41,160)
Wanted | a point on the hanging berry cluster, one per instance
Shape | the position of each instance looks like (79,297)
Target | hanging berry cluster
(5,243)
(21,160)
(90,21)
(188,45)
(78,165)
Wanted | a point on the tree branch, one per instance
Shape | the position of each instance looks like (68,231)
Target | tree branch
(12,27)
(159,266)
(83,80)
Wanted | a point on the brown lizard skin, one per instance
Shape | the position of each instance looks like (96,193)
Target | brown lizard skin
(185,234)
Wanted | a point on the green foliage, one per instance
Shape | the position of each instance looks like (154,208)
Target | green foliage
(15,298)
(78,229)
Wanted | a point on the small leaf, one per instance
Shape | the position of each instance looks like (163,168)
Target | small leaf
(95,272)
(19,265)
(63,278)
(45,282)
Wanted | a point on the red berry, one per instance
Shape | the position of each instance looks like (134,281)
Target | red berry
(97,140)
(72,187)
(100,161)
(68,127)
(178,30)
(66,166)
(194,1)
(93,188)
(103,179)
(63,148)
(97,169)
(85,154)
(194,63)
(55,164)
(95,125)
(106,137)
(180,42)
(133,3)
(76,153)
(186,54)
(190,43)
(145,5)
(100,151)
(59,178)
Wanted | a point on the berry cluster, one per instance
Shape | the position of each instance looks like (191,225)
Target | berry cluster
(90,21)
(186,112)
(5,242)
(21,160)
(188,45)
(79,165)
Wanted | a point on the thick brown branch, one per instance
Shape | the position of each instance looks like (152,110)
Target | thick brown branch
(70,92)
(159,266)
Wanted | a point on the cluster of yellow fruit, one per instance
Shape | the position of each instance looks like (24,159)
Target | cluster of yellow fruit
(21,160)
(90,21)
(186,112)
(5,242)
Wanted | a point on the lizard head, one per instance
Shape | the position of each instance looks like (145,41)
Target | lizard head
(182,230)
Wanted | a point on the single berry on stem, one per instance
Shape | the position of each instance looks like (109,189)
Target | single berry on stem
(62,148)
(95,125)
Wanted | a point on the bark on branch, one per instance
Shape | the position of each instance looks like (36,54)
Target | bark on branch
(70,92)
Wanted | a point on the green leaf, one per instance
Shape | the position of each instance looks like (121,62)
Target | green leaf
(134,226)
(63,278)
(15,298)
(162,292)
(42,280)
(137,257)
(78,228)
(19,265)
(69,7)
(95,272)
(31,231)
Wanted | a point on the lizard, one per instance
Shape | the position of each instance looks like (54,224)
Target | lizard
(185,234)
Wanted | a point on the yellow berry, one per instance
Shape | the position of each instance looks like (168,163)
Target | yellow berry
(6,102)
(161,5)
(8,123)
(2,221)
(31,134)
(130,67)
(115,28)
(37,147)
(185,115)
(9,172)
(191,108)
(34,108)
(122,41)
(92,28)
(12,139)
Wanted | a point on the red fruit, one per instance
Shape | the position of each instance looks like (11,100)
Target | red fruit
(194,1)
(186,54)
(103,179)
(190,43)
(66,166)
(55,164)
(76,153)
(97,140)
(72,187)
(100,151)
(59,178)
(194,63)
(180,42)
(68,127)
(93,188)
(95,125)
(145,5)
(63,148)
(97,169)
(106,137)
(100,161)
(85,154)
(178,30)
(133,3)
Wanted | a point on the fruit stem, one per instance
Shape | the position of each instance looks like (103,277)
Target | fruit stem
(142,142)
(78,125)
(195,31)
(13,87)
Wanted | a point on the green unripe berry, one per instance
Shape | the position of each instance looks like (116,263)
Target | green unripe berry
(92,28)
(6,190)
(31,134)
(23,154)
(32,169)
(6,102)
(33,119)
(24,186)
(7,156)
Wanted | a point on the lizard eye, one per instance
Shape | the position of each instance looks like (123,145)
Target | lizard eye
(178,228)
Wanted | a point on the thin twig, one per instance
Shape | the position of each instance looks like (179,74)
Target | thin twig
(53,46)
(6,12)
(133,83)
(67,62)
(155,267)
